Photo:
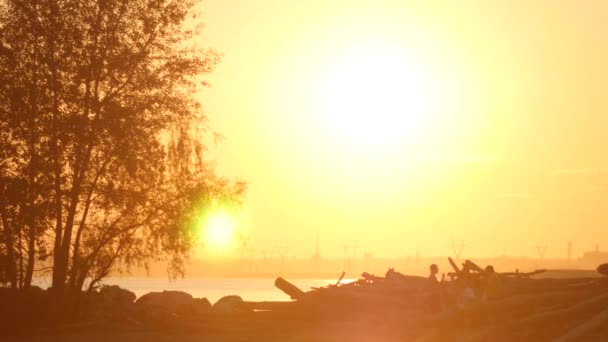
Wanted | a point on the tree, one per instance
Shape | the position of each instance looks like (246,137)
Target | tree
(100,125)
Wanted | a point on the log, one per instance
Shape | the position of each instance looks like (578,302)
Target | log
(269,306)
(454,266)
(473,266)
(522,274)
(371,277)
(362,300)
(341,277)
(288,288)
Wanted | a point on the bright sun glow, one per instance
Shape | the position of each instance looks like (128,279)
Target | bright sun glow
(379,97)
(219,229)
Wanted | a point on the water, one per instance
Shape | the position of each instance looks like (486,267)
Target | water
(214,289)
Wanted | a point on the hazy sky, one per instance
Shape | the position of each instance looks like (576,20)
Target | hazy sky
(400,125)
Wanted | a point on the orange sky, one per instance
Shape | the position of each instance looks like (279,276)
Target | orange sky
(398,125)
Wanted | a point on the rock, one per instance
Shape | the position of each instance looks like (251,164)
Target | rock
(172,301)
(113,294)
(228,304)
(201,306)
(111,306)
(603,269)
(35,291)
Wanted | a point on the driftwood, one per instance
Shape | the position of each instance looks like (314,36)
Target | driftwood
(473,266)
(520,307)
(291,290)
(269,306)
(454,266)
(371,277)
(341,277)
(522,274)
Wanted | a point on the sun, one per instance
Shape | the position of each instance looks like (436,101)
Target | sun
(219,229)
(378,98)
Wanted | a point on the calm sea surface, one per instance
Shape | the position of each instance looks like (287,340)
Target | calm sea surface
(214,289)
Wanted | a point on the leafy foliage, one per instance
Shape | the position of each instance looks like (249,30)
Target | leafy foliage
(99,120)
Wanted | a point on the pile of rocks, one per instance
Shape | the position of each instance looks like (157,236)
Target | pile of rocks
(109,307)
(117,306)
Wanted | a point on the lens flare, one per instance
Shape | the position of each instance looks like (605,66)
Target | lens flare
(219,229)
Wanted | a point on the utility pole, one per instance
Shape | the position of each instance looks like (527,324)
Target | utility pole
(316,259)
(282,253)
(355,247)
(457,249)
(350,257)
(345,257)
(541,251)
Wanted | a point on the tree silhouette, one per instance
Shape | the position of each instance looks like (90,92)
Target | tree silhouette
(100,130)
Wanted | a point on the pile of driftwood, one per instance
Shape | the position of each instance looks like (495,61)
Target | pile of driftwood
(471,304)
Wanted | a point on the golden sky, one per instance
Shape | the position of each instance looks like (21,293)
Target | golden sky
(400,125)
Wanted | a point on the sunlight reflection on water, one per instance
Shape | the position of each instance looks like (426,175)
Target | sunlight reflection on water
(214,289)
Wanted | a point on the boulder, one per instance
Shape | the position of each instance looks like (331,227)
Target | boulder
(228,304)
(23,310)
(603,269)
(112,306)
(113,294)
(36,291)
(171,301)
(201,306)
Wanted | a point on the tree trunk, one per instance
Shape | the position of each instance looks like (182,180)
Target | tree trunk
(10,252)
(31,257)
(20,254)
(31,208)
(32,168)
(59,262)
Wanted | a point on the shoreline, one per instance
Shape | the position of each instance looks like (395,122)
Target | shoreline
(396,307)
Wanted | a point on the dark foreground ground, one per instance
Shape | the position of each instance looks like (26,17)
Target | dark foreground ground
(256,326)
(475,324)
(474,306)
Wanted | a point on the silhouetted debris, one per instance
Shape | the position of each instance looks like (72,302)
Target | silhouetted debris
(229,304)
(291,290)
(477,304)
(114,295)
(174,302)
